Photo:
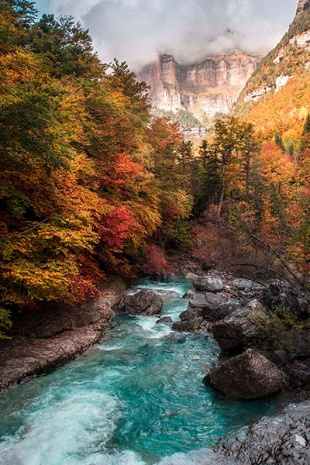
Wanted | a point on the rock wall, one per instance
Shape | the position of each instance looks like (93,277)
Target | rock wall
(41,341)
(204,88)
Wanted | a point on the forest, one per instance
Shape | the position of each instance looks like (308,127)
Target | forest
(93,184)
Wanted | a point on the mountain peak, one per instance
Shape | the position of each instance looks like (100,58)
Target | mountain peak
(302,6)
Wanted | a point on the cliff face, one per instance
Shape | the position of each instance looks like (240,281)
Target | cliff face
(290,58)
(204,88)
(302,6)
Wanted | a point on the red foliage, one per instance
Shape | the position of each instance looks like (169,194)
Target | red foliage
(83,288)
(117,226)
(156,262)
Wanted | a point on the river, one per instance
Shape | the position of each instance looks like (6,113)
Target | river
(136,398)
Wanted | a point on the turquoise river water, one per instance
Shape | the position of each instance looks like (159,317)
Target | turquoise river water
(136,398)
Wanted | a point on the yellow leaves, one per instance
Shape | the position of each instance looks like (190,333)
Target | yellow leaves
(19,67)
(41,281)
(277,168)
(285,109)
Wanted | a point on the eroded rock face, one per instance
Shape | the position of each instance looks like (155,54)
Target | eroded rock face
(239,328)
(246,376)
(280,440)
(210,86)
(144,302)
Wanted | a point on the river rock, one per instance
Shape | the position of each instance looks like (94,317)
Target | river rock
(145,302)
(189,294)
(208,284)
(191,276)
(203,302)
(238,329)
(279,440)
(189,315)
(166,320)
(176,337)
(192,325)
(246,376)
(221,311)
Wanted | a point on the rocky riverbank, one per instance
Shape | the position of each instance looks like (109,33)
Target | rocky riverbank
(42,340)
(263,332)
(280,440)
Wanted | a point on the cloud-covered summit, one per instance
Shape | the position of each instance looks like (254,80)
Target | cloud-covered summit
(137,30)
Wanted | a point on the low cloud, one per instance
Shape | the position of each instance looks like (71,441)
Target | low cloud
(138,30)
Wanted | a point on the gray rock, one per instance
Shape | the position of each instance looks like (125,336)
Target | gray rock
(208,284)
(144,302)
(191,276)
(198,303)
(238,329)
(215,300)
(208,304)
(246,284)
(224,310)
(189,294)
(246,376)
(189,315)
(166,320)
(280,440)
(176,337)
(187,325)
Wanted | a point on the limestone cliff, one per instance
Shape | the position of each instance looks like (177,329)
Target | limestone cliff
(291,57)
(203,88)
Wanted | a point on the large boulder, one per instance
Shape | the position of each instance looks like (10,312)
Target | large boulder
(239,328)
(208,284)
(207,302)
(246,376)
(283,439)
(145,302)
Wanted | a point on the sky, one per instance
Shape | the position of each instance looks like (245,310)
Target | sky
(137,31)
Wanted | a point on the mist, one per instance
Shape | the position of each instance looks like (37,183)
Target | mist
(137,31)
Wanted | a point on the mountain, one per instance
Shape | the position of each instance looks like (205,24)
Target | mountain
(204,89)
(277,96)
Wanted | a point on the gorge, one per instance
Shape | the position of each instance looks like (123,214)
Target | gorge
(96,192)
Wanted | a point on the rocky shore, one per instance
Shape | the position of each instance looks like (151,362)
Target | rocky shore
(263,332)
(42,340)
(280,440)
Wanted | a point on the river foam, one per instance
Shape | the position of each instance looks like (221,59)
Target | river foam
(136,399)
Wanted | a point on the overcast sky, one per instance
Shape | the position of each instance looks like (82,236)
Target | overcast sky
(137,30)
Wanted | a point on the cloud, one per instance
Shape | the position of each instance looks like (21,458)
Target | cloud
(137,30)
